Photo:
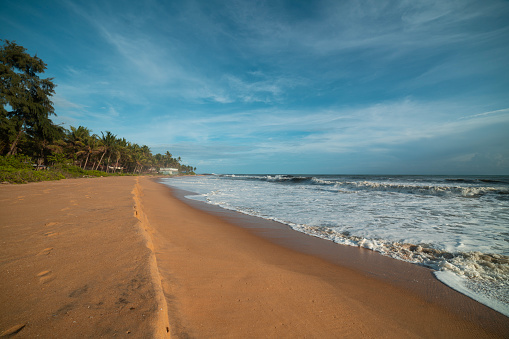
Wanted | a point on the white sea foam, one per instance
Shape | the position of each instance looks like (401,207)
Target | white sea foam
(452,225)
(460,284)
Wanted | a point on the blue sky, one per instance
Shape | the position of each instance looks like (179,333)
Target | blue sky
(390,87)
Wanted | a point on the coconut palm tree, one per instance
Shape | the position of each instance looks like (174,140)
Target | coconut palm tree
(92,146)
(119,150)
(107,141)
(135,156)
(168,159)
(76,141)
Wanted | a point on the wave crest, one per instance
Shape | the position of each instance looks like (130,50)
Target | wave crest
(475,266)
(439,190)
(469,190)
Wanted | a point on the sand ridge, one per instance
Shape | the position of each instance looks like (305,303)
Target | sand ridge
(162,326)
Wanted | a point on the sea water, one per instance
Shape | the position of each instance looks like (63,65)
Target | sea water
(458,226)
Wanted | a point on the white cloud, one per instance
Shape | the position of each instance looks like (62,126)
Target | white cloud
(62,103)
(243,78)
(375,128)
(498,111)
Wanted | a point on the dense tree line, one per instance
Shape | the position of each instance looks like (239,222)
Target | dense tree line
(110,153)
(26,127)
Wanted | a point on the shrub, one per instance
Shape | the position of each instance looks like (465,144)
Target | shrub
(21,176)
(15,161)
(19,170)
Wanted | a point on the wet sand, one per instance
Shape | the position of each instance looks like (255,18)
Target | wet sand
(123,256)
(222,280)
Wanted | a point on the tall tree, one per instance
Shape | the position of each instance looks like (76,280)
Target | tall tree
(108,141)
(76,141)
(91,146)
(119,150)
(24,96)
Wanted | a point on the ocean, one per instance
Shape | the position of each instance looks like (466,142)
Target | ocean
(456,225)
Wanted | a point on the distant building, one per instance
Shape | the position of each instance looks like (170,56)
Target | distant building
(168,170)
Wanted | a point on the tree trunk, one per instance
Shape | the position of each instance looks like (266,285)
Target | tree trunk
(108,164)
(12,151)
(100,160)
(86,160)
(116,165)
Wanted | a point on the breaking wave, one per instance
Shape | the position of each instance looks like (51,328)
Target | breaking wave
(478,269)
(472,188)
(454,225)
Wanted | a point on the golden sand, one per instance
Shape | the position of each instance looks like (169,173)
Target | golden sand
(121,256)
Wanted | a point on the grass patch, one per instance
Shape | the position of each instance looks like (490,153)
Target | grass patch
(71,171)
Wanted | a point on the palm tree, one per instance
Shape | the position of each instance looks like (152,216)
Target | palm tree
(158,160)
(144,157)
(120,148)
(135,156)
(91,146)
(76,139)
(168,159)
(107,141)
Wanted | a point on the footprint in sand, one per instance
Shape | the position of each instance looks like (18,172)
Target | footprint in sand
(80,291)
(51,234)
(45,251)
(13,330)
(45,276)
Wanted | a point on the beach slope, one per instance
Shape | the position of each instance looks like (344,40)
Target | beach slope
(221,280)
(122,256)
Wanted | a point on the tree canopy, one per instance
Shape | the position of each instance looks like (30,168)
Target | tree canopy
(25,101)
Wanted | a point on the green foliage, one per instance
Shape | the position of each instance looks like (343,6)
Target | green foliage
(19,169)
(15,162)
(23,176)
(25,94)
(58,159)
(71,171)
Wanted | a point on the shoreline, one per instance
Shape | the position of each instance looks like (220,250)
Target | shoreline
(423,303)
(124,256)
(418,279)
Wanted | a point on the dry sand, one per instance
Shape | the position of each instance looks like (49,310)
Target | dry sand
(77,260)
(74,261)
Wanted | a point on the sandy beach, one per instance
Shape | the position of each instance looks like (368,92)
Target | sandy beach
(122,256)
(74,261)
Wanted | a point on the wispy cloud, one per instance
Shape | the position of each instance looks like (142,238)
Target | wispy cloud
(498,112)
(334,131)
(258,79)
